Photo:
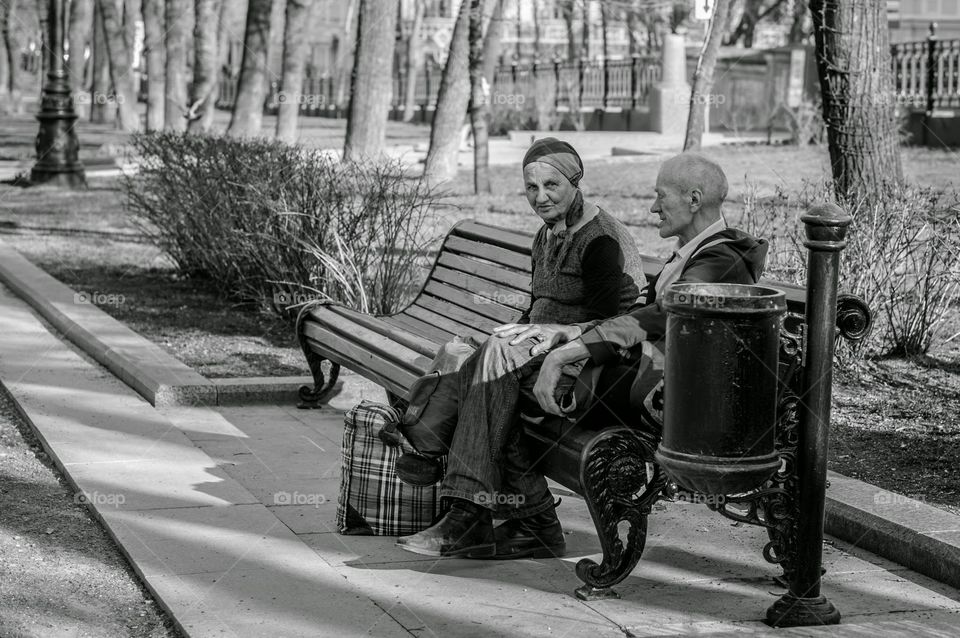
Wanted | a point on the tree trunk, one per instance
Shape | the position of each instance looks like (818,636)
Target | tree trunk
(119,56)
(536,31)
(633,30)
(566,9)
(294,61)
(585,30)
(345,54)
(81,28)
(491,41)
(853,62)
(797,32)
(703,76)
(45,48)
(519,28)
(7,59)
(102,108)
(604,24)
(175,41)
(247,114)
(153,27)
(370,86)
(414,61)
(479,99)
(130,11)
(206,65)
(441,164)
(747,25)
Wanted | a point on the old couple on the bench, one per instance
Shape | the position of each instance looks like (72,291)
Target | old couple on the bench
(571,350)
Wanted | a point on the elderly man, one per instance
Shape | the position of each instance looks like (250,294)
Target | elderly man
(484,476)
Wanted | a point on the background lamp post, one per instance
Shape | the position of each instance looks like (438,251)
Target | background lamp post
(57,143)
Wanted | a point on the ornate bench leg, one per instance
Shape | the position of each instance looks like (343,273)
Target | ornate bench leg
(616,492)
(322,390)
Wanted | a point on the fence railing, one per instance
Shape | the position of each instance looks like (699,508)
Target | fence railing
(926,77)
(927,73)
(565,85)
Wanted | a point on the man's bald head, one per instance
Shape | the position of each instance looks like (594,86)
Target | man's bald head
(692,171)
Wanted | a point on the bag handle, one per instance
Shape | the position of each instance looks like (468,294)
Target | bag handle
(391,417)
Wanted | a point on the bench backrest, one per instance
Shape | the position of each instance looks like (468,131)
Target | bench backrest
(481,278)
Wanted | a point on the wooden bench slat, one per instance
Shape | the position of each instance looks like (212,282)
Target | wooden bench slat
(495,254)
(437,318)
(349,333)
(392,377)
(436,336)
(516,240)
(480,288)
(468,302)
(412,339)
(457,314)
(487,271)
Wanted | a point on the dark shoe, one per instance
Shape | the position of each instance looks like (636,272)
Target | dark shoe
(537,536)
(466,530)
(418,471)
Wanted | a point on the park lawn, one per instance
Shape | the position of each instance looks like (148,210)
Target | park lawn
(893,425)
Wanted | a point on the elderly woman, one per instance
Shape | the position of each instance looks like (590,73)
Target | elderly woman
(585,267)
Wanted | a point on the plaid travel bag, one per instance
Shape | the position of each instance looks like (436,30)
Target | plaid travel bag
(373,501)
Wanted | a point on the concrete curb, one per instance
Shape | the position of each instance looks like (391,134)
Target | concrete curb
(157,376)
(151,371)
(243,391)
(914,534)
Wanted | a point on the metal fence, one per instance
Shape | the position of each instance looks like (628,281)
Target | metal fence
(564,85)
(926,77)
(575,85)
(927,73)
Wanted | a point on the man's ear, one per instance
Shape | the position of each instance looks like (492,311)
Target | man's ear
(696,199)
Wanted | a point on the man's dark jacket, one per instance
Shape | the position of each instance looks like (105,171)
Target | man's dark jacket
(739,259)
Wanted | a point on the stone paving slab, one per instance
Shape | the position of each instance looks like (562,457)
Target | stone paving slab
(701,573)
(308,602)
(221,539)
(212,555)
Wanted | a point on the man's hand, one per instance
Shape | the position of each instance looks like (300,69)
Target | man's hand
(550,335)
(545,388)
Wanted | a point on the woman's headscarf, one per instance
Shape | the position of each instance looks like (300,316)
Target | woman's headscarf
(557,154)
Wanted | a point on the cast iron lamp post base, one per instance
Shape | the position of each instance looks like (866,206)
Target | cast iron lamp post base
(791,611)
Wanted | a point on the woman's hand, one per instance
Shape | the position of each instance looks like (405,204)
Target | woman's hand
(550,335)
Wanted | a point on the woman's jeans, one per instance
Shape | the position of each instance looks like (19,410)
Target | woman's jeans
(472,416)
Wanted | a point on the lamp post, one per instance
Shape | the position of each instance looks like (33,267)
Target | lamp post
(57,143)
(804,605)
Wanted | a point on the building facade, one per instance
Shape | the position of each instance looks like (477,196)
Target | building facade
(910,19)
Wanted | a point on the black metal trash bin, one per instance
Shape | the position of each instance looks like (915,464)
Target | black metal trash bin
(720,386)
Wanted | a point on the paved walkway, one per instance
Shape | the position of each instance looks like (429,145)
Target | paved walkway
(228,517)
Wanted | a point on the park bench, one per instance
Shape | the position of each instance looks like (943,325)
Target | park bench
(481,279)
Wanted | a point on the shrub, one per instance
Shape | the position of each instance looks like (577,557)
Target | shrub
(274,223)
(902,258)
